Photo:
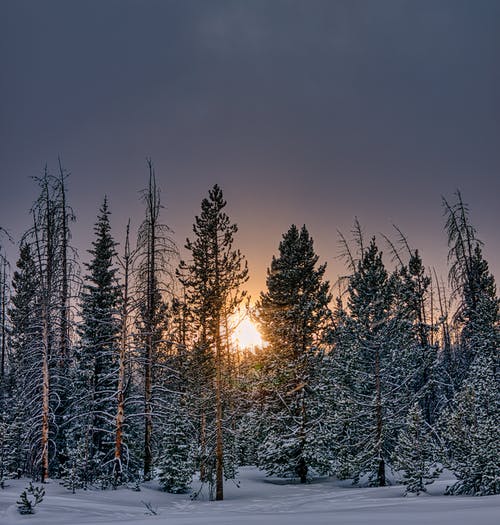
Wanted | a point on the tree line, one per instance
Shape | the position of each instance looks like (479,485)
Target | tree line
(124,369)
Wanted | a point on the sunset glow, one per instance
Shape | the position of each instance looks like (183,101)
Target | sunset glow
(246,335)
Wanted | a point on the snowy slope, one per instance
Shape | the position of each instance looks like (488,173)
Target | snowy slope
(258,501)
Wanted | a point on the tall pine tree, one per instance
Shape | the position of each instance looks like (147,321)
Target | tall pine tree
(212,280)
(293,315)
(96,360)
(373,364)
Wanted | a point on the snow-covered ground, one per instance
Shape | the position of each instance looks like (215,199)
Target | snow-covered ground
(258,500)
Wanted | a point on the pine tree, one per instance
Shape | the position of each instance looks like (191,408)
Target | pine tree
(26,359)
(176,459)
(411,294)
(416,453)
(212,281)
(471,426)
(96,361)
(292,315)
(372,365)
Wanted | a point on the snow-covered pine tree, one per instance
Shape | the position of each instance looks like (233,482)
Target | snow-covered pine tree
(412,291)
(416,453)
(176,459)
(373,366)
(6,399)
(25,360)
(293,314)
(199,374)
(472,432)
(95,384)
(343,363)
(77,470)
(212,281)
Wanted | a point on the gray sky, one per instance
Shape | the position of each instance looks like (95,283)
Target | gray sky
(303,111)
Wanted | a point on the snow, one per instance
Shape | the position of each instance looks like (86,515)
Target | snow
(258,500)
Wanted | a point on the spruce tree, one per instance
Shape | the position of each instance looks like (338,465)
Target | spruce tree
(25,362)
(471,425)
(416,453)
(373,366)
(293,315)
(212,280)
(176,458)
(96,362)
(410,309)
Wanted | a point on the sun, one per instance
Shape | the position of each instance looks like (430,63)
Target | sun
(245,334)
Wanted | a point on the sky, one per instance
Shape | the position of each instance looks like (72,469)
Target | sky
(307,112)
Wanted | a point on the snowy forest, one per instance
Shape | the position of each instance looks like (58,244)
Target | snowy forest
(124,369)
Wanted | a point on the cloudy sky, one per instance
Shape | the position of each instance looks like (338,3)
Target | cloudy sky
(302,111)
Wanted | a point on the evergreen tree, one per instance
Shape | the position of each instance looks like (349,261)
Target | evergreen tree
(416,453)
(25,362)
(292,314)
(96,361)
(212,281)
(176,459)
(471,426)
(411,294)
(373,365)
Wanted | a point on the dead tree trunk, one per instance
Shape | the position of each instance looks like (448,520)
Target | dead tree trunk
(120,412)
(45,278)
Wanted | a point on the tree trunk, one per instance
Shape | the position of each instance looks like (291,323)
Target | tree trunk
(150,318)
(120,412)
(64,335)
(45,399)
(203,448)
(219,453)
(302,467)
(63,351)
(378,408)
(46,289)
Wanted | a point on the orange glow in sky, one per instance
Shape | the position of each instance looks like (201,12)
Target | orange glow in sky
(245,334)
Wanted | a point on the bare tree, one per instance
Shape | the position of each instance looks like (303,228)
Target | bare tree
(155,250)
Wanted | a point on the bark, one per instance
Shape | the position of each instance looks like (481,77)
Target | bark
(150,317)
(203,447)
(45,280)
(64,297)
(45,401)
(219,453)
(380,423)
(120,412)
